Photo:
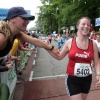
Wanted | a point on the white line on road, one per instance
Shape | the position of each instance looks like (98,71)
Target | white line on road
(31,75)
(48,77)
(35,55)
(34,62)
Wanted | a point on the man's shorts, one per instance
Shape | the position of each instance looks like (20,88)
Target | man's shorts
(76,85)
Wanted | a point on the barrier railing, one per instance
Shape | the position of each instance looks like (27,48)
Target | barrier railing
(8,82)
(9,78)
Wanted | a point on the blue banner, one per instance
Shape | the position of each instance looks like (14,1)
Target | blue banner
(97,22)
(3,13)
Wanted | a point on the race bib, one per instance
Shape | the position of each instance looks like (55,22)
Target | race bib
(82,70)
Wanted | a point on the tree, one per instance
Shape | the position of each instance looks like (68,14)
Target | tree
(69,12)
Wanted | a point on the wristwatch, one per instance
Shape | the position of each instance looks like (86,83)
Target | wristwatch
(52,48)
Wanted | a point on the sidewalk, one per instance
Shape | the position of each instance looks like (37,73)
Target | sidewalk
(49,89)
(19,90)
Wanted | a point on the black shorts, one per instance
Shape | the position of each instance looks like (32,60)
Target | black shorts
(76,85)
(99,54)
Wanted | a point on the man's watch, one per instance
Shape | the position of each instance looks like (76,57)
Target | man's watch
(52,48)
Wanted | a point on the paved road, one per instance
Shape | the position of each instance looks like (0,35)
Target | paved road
(48,70)
(51,89)
(46,66)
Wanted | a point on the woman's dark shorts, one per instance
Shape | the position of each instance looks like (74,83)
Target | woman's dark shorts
(76,85)
(99,54)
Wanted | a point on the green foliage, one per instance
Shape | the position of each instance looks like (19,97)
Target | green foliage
(50,19)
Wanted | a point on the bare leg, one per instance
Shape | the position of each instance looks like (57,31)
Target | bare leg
(84,96)
(76,97)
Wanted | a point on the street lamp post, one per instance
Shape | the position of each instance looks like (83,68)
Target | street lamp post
(57,11)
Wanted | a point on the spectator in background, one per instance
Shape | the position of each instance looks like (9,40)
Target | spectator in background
(17,21)
(97,41)
(34,36)
(64,39)
(14,25)
(50,38)
(67,33)
(59,40)
(18,45)
(5,65)
(93,35)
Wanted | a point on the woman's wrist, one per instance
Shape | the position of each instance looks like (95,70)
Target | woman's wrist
(52,47)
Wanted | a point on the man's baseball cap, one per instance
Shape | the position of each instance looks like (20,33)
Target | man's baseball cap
(19,11)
